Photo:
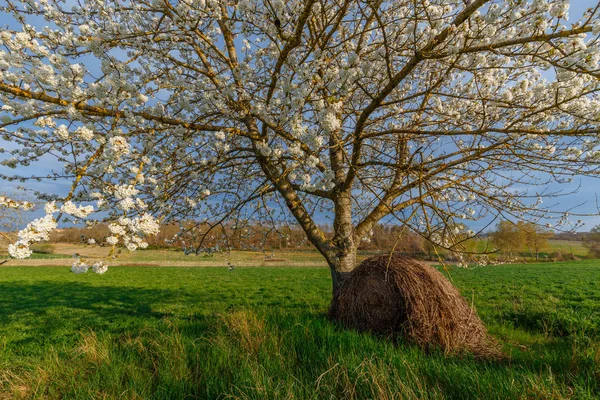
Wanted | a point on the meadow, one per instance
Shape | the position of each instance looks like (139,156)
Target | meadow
(261,333)
(62,254)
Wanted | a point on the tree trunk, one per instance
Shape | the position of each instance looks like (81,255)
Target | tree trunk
(344,261)
(341,269)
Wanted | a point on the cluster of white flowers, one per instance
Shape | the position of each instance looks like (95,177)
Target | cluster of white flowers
(560,9)
(36,231)
(220,135)
(330,121)
(19,250)
(119,146)
(125,194)
(81,267)
(126,204)
(324,182)
(70,208)
(116,229)
(99,267)
(10,203)
(62,132)
(45,121)
(264,149)
(125,191)
(220,143)
(329,116)
(244,6)
(84,133)
(146,224)
(133,231)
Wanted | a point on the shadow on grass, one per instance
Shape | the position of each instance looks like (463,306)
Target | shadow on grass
(558,324)
(34,316)
(29,301)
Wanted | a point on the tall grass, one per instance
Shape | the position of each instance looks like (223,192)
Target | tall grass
(260,333)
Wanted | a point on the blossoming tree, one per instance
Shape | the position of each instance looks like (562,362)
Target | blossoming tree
(427,112)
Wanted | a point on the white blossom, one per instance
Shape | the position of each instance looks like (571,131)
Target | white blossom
(84,133)
(119,145)
(79,267)
(77,211)
(19,250)
(9,203)
(99,267)
(62,132)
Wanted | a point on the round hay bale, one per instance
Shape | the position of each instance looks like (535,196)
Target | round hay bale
(401,296)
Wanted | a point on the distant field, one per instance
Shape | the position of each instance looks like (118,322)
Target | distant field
(260,333)
(63,254)
(568,246)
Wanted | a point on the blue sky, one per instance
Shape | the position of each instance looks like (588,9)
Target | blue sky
(587,188)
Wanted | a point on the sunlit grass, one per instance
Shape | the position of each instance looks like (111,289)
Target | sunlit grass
(261,333)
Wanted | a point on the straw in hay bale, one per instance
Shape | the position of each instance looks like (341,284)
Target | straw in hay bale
(401,296)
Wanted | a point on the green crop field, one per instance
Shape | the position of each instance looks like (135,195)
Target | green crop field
(567,247)
(261,333)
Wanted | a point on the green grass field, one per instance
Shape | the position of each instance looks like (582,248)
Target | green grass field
(566,248)
(261,333)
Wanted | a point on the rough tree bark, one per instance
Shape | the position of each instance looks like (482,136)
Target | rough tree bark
(343,241)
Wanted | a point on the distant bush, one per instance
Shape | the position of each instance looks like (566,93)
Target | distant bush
(43,248)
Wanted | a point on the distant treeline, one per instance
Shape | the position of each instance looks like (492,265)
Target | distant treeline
(573,236)
(252,237)
(507,241)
